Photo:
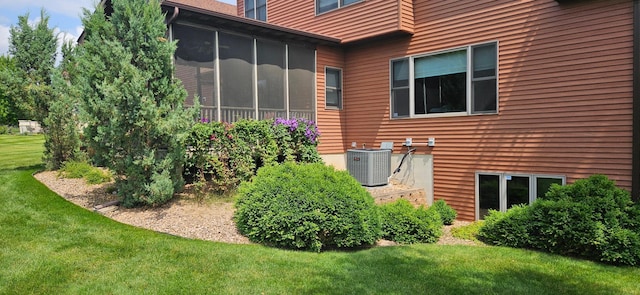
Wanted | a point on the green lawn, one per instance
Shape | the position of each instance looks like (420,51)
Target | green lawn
(50,246)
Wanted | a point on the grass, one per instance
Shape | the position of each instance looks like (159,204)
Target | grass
(50,246)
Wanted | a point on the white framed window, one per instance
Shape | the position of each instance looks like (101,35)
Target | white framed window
(459,81)
(333,88)
(323,6)
(501,191)
(256,9)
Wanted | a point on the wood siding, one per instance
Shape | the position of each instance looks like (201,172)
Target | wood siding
(565,90)
(331,122)
(362,20)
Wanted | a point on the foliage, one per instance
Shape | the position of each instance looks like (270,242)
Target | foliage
(468,232)
(306,206)
(51,246)
(82,169)
(136,122)
(403,223)
(62,139)
(8,109)
(447,213)
(591,218)
(33,50)
(509,228)
(4,129)
(221,155)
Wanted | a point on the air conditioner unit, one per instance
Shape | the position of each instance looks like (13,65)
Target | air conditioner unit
(370,167)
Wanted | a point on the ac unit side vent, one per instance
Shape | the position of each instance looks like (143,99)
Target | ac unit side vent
(369,167)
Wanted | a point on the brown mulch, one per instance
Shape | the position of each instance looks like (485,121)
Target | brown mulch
(184,216)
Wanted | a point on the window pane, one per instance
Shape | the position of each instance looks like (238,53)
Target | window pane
(194,61)
(484,96)
(236,75)
(261,13)
(517,190)
(441,64)
(333,97)
(441,94)
(488,194)
(347,2)
(271,86)
(301,80)
(333,78)
(400,73)
(544,183)
(326,5)
(484,61)
(400,100)
(248,5)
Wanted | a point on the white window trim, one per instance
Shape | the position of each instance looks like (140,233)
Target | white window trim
(503,187)
(255,11)
(469,85)
(340,98)
(340,6)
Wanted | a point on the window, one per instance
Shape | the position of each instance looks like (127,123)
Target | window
(501,191)
(458,81)
(256,9)
(333,88)
(323,6)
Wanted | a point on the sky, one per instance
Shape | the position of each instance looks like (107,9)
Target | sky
(64,17)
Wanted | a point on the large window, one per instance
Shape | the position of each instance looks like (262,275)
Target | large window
(333,88)
(460,81)
(256,9)
(501,191)
(323,6)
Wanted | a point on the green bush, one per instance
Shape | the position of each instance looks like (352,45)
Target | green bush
(403,223)
(81,169)
(306,206)
(509,228)
(591,218)
(447,214)
(222,155)
(468,232)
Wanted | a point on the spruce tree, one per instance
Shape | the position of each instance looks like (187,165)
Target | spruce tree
(136,121)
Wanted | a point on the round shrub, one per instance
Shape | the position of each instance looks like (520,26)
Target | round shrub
(447,214)
(306,206)
(403,223)
(509,228)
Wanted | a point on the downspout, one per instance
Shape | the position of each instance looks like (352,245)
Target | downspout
(176,10)
(635,151)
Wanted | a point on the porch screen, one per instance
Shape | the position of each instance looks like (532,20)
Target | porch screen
(271,80)
(236,77)
(302,65)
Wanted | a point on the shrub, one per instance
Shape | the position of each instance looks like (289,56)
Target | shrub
(306,206)
(468,232)
(81,169)
(591,218)
(222,155)
(403,223)
(509,228)
(447,214)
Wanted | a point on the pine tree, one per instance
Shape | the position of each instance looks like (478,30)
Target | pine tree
(33,49)
(136,121)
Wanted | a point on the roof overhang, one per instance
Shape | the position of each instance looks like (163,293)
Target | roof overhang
(242,25)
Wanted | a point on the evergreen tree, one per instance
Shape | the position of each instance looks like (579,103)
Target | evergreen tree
(8,111)
(33,49)
(62,141)
(136,121)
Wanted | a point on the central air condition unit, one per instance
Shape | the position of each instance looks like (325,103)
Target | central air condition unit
(369,167)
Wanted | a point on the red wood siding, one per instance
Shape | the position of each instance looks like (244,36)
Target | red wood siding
(353,22)
(565,89)
(331,123)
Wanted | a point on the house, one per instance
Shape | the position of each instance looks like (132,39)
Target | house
(514,95)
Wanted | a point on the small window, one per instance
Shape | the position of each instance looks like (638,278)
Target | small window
(501,191)
(255,9)
(333,88)
(323,6)
(456,81)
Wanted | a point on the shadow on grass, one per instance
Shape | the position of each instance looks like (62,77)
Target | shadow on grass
(425,269)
